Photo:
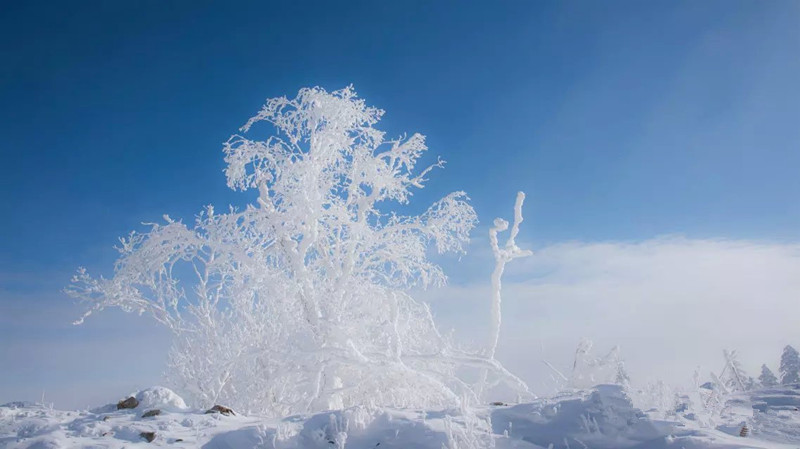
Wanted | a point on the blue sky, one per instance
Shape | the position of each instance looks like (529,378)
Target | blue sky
(623,121)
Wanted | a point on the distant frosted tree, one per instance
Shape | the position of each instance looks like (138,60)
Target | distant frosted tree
(589,370)
(622,378)
(712,398)
(733,374)
(790,366)
(659,395)
(767,377)
(582,375)
(299,302)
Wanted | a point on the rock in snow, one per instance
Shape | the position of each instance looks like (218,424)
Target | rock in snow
(130,402)
(220,409)
(151,413)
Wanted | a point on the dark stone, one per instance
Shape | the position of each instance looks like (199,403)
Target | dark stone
(149,436)
(149,413)
(220,409)
(131,402)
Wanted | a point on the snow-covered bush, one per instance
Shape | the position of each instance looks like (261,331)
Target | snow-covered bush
(298,302)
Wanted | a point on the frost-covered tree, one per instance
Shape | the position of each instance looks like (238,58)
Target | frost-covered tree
(622,378)
(733,375)
(790,366)
(712,396)
(767,377)
(589,370)
(298,302)
(658,396)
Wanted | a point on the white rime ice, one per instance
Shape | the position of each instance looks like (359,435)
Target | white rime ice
(298,302)
(501,257)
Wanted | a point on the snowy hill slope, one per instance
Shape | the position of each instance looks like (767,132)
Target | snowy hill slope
(599,418)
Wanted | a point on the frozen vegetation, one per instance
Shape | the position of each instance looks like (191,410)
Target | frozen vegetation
(293,326)
(298,302)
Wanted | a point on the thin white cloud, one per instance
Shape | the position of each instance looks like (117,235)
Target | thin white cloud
(672,304)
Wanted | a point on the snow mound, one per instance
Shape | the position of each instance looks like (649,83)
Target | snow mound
(356,427)
(161,398)
(600,418)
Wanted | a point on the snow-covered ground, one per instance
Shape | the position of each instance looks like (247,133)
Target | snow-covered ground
(602,417)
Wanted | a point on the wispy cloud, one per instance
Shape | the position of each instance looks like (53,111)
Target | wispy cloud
(672,304)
